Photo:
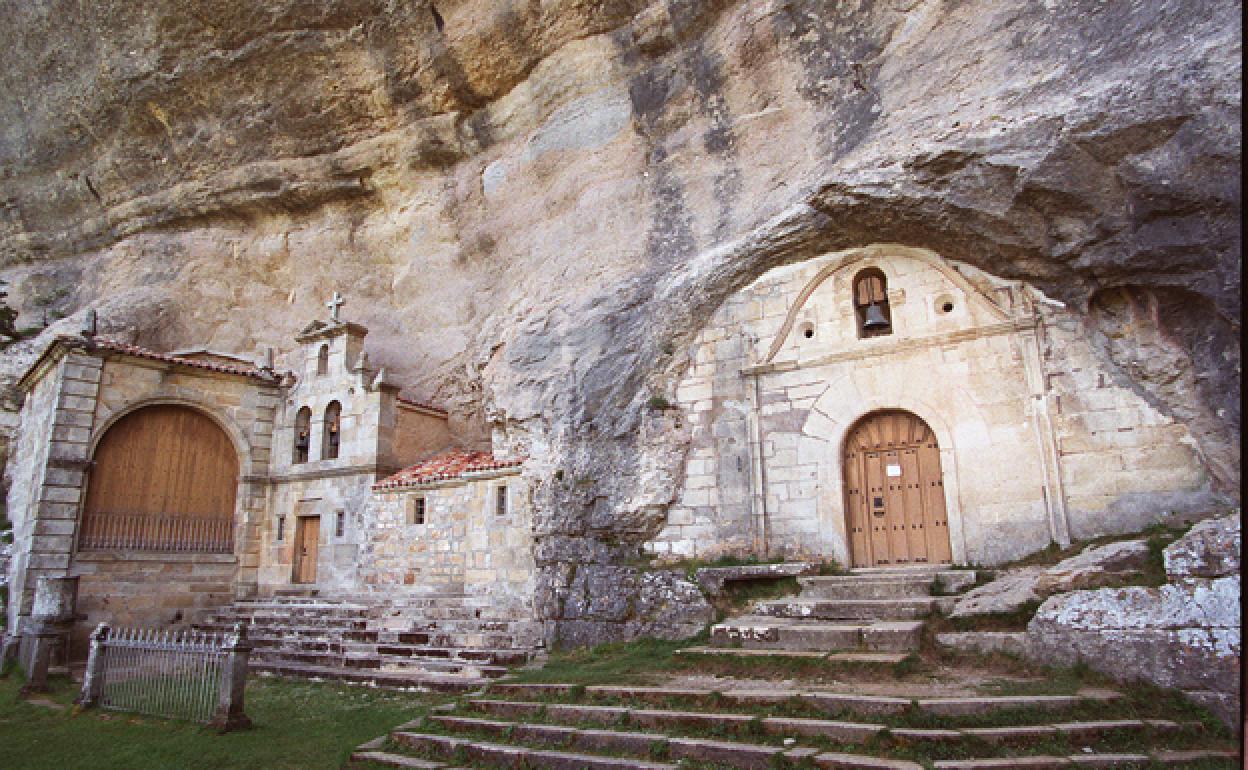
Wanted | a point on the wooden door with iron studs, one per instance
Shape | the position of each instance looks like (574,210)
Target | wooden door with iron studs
(894,492)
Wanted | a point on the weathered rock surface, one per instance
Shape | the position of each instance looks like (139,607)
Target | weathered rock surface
(605,602)
(1212,548)
(713,579)
(1016,588)
(535,206)
(1184,635)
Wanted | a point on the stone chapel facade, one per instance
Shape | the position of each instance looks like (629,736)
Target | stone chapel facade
(886,405)
(173,483)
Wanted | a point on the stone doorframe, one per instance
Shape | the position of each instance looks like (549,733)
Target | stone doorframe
(834,433)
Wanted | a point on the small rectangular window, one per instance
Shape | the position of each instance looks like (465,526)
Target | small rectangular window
(500,501)
(281,528)
(340,524)
(416,510)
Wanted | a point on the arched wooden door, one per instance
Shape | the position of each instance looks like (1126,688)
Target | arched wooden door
(895,496)
(163,478)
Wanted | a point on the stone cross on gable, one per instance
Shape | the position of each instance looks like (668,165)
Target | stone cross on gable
(334,303)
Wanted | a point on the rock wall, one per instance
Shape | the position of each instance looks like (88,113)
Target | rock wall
(1185,634)
(536,206)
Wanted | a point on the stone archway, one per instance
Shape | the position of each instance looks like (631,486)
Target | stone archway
(165,478)
(894,492)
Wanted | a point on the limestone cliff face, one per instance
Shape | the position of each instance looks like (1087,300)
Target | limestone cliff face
(534,206)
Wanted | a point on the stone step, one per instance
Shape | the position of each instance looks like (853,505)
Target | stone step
(1160,756)
(405,680)
(832,703)
(886,586)
(901,569)
(502,755)
(792,727)
(379,662)
(359,630)
(854,609)
(713,579)
(621,743)
(753,632)
(395,760)
(831,657)
(726,754)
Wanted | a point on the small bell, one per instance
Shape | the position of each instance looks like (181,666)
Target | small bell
(874,318)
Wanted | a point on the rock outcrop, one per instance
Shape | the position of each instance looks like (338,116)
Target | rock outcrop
(1184,635)
(535,206)
(1017,588)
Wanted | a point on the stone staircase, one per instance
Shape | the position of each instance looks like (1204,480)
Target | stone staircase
(567,727)
(871,615)
(445,642)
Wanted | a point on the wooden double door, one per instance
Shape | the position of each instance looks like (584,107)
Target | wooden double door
(895,495)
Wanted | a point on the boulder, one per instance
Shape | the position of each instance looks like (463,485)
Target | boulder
(1091,568)
(1184,636)
(1210,549)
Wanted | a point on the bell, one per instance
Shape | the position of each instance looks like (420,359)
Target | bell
(874,318)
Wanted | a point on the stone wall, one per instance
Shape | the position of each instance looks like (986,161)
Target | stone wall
(1123,461)
(322,497)
(463,545)
(148,590)
(26,508)
(415,433)
(1038,440)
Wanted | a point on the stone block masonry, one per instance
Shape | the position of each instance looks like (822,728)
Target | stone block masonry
(454,536)
(1038,442)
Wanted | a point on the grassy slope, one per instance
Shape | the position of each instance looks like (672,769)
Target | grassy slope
(297,725)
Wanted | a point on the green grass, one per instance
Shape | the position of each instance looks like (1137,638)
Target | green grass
(635,662)
(296,725)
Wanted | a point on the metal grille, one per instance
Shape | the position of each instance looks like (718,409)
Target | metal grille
(157,532)
(163,673)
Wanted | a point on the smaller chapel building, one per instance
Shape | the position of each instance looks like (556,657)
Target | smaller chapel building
(171,484)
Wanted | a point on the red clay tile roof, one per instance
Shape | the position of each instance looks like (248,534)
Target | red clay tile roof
(420,404)
(135,350)
(454,464)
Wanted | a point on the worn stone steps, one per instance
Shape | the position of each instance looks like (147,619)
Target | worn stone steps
(379,662)
(339,638)
(531,745)
(853,609)
(403,680)
(503,755)
(868,658)
(840,731)
(761,632)
(886,586)
(833,703)
(502,729)
(879,609)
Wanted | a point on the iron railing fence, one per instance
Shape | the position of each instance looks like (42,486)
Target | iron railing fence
(156,532)
(163,673)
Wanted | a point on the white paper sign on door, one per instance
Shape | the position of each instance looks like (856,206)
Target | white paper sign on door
(892,470)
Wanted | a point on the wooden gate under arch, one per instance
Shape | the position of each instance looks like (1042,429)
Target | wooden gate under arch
(895,496)
(163,478)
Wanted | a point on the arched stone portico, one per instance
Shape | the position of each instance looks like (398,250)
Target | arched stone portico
(841,406)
